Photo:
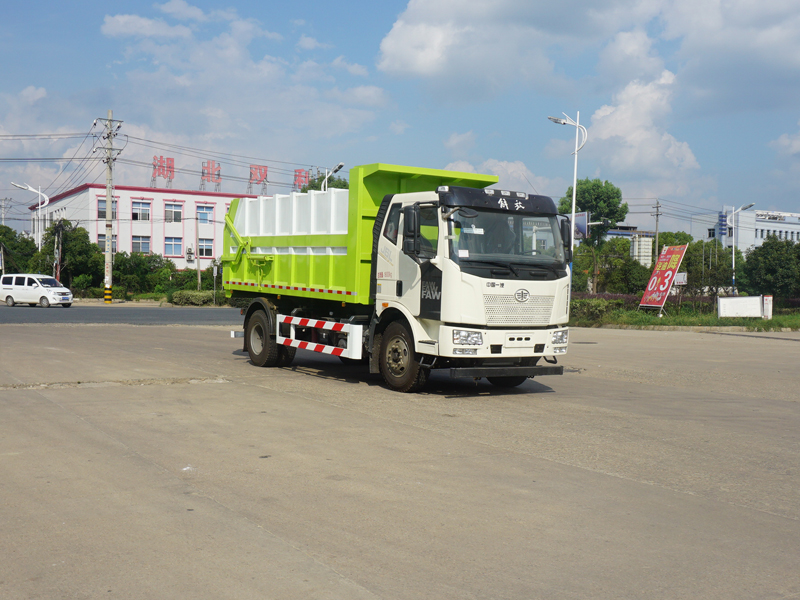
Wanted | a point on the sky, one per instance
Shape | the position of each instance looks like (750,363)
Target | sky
(694,103)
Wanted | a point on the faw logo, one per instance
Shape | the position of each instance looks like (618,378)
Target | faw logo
(430,291)
(522,295)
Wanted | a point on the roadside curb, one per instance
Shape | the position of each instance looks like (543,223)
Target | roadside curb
(695,328)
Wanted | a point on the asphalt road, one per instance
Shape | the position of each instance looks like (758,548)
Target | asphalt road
(157,462)
(131,313)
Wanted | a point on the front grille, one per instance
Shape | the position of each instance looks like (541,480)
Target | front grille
(503,309)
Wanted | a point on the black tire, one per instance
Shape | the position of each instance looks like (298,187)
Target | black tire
(285,356)
(260,340)
(44,302)
(507,382)
(10,301)
(399,366)
(67,305)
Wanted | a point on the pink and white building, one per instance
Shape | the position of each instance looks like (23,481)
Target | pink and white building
(182,225)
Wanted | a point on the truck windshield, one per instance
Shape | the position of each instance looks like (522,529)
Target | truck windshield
(505,237)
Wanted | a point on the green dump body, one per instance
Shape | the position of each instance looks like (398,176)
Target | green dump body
(319,244)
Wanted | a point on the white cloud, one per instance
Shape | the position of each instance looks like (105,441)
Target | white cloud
(630,55)
(135,26)
(309,43)
(474,41)
(787,144)
(460,144)
(739,54)
(628,136)
(31,94)
(180,9)
(353,69)
(514,176)
(364,95)
(398,127)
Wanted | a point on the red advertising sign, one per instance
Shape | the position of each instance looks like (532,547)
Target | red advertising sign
(669,261)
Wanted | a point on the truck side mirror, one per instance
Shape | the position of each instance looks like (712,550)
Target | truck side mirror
(566,236)
(411,235)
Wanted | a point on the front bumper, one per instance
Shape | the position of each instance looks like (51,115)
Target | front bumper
(476,372)
(503,343)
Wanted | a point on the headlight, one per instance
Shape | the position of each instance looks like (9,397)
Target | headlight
(462,337)
(560,337)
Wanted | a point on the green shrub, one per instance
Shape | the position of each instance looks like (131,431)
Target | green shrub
(592,309)
(192,298)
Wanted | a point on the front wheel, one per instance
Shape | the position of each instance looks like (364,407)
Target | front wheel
(260,342)
(10,301)
(399,366)
(67,305)
(44,302)
(507,382)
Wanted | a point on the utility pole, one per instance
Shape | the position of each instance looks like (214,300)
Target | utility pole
(111,131)
(4,200)
(197,244)
(657,214)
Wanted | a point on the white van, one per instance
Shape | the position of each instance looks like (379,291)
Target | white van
(27,288)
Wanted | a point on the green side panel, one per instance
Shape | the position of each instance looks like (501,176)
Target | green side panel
(337,277)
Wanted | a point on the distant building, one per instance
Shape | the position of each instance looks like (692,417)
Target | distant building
(182,225)
(748,227)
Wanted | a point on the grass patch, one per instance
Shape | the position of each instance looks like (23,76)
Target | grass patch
(688,318)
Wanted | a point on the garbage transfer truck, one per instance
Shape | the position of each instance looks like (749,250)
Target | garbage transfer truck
(409,270)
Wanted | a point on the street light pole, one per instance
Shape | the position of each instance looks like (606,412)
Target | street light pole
(324,185)
(734,231)
(579,129)
(41,204)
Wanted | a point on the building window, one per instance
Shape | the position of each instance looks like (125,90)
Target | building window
(172,213)
(205,214)
(141,211)
(205,248)
(101,241)
(710,233)
(141,243)
(101,209)
(173,246)
(730,231)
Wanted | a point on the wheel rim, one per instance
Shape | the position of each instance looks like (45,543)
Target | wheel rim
(397,356)
(257,338)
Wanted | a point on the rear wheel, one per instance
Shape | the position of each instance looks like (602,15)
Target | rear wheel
(285,356)
(398,361)
(10,301)
(260,342)
(44,302)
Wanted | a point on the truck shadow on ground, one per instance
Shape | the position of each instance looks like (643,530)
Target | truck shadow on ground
(439,383)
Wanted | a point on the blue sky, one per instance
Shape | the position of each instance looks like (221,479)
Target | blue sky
(696,103)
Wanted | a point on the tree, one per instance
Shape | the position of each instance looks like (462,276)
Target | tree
(78,255)
(670,238)
(618,272)
(138,272)
(773,268)
(603,200)
(315,183)
(18,249)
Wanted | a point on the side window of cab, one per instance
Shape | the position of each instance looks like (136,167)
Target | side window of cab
(392,225)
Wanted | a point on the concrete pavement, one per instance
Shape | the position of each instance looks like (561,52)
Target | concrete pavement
(156,462)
